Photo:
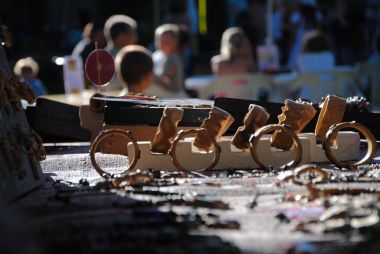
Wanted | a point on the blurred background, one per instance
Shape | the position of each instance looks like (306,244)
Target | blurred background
(45,29)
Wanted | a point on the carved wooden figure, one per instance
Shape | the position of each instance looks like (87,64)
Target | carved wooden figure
(296,115)
(256,118)
(167,130)
(331,113)
(216,125)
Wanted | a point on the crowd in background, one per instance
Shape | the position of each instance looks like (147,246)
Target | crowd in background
(341,32)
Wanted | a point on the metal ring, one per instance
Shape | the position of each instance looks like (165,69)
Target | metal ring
(102,135)
(308,168)
(255,138)
(181,135)
(332,134)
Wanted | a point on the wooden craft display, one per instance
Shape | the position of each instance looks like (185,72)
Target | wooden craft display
(220,153)
(20,147)
(203,148)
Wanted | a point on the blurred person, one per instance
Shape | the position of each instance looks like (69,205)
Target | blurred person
(168,64)
(302,20)
(235,54)
(75,31)
(184,46)
(316,53)
(184,13)
(134,67)
(92,33)
(317,57)
(120,31)
(244,21)
(28,69)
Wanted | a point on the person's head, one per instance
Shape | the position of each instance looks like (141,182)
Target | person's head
(120,30)
(235,44)
(315,41)
(134,66)
(166,38)
(26,67)
(94,31)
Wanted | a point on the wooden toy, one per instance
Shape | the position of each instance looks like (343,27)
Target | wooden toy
(296,115)
(331,113)
(256,118)
(216,125)
(167,130)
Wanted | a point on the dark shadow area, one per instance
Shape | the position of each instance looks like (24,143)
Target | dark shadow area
(66,218)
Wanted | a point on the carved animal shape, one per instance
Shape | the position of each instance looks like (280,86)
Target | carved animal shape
(216,125)
(331,113)
(296,115)
(167,130)
(256,118)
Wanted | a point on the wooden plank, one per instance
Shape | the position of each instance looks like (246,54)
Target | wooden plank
(347,148)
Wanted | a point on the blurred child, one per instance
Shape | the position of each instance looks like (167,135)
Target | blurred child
(316,54)
(92,33)
(168,68)
(27,68)
(134,67)
(120,31)
(235,54)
